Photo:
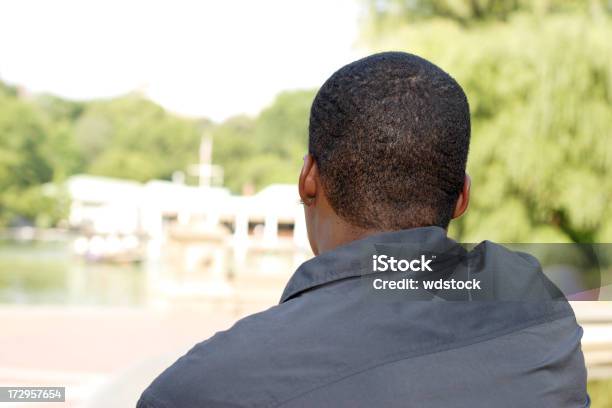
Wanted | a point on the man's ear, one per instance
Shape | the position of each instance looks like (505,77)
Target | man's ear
(464,198)
(308,180)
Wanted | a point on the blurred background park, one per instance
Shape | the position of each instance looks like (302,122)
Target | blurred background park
(149,153)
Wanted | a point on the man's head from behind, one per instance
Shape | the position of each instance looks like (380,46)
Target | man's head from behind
(388,144)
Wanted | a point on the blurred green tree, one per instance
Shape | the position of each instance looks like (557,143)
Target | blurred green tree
(540,90)
(132,137)
(267,149)
(45,139)
(388,14)
(30,147)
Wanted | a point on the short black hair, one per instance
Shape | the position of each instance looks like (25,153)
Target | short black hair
(390,134)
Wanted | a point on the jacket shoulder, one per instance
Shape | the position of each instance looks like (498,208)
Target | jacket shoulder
(230,367)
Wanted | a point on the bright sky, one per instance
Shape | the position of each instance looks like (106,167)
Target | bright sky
(197,58)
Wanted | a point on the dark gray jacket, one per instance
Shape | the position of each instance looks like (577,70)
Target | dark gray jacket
(335,341)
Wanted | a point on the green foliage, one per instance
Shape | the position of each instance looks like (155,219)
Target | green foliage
(38,204)
(383,15)
(45,139)
(131,137)
(27,161)
(7,90)
(600,392)
(540,91)
(267,149)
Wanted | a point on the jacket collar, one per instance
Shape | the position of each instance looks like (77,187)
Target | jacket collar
(355,258)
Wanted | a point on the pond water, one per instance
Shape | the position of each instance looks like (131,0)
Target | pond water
(35,272)
(49,273)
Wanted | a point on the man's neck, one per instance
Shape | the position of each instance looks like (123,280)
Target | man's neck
(337,233)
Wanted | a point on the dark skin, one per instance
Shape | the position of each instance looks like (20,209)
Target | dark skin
(326,230)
